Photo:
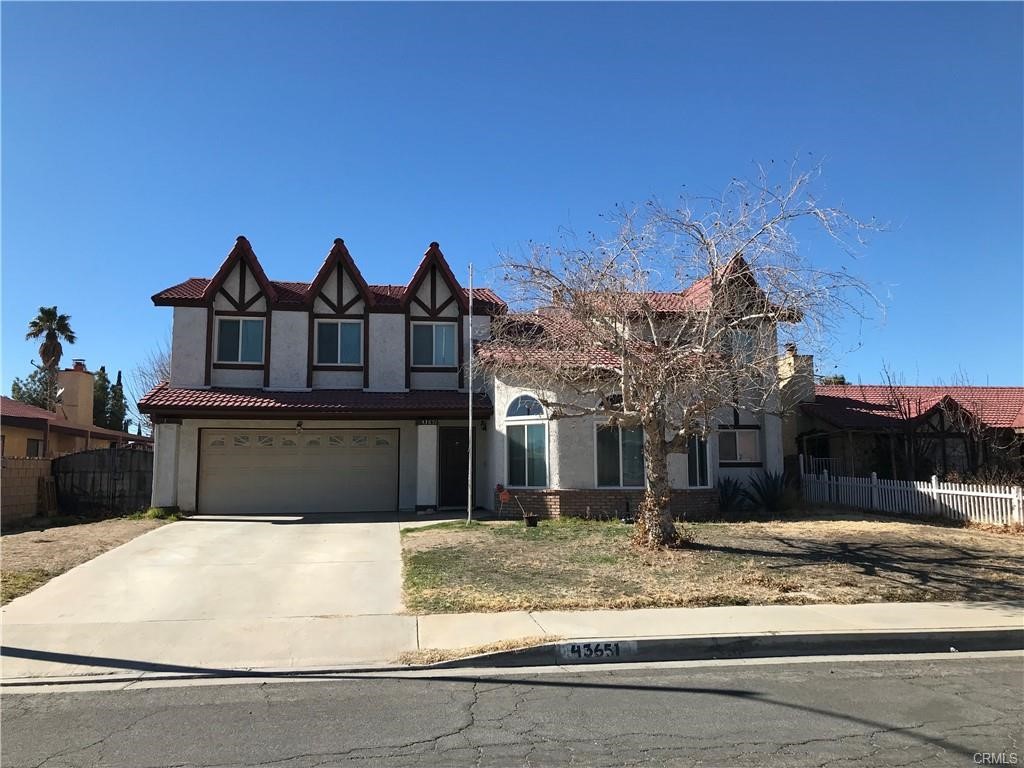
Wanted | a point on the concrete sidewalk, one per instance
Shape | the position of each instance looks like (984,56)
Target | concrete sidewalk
(219,646)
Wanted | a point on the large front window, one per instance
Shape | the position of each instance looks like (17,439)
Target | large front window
(620,457)
(339,342)
(527,435)
(433,344)
(239,340)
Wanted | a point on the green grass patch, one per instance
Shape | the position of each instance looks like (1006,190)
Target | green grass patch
(17,583)
(157,513)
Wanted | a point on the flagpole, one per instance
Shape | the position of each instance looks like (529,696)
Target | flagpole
(469,480)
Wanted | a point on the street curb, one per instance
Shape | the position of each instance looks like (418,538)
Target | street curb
(750,646)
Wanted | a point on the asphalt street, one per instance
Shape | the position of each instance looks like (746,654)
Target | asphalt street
(951,711)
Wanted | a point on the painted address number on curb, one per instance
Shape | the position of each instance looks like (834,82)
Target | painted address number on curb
(597,651)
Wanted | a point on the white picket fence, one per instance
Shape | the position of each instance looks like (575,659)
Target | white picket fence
(991,504)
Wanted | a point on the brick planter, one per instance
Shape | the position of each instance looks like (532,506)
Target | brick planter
(606,503)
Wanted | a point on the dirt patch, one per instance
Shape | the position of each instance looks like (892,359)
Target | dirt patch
(28,559)
(569,564)
(437,655)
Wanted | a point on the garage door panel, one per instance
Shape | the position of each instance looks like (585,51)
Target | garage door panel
(321,471)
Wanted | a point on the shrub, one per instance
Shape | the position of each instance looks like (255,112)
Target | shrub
(732,498)
(772,492)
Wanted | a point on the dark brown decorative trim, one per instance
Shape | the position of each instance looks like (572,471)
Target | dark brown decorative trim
(444,305)
(229,298)
(239,313)
(241,282)
(739,464)
(434,368)
(421,305)
(239,366)
(433,287)
(350,303)
(326,367)
(328,302)
(333,316)
(253,300)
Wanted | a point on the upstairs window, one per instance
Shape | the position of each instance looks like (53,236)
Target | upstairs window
(239,340)
(339,342)
(433,344)
(620,457)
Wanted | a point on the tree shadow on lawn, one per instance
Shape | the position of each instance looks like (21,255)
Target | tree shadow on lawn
(935,571)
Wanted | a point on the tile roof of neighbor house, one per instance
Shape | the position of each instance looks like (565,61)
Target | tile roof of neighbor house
(14,409)
(20,410)
(164,399)
(874,406)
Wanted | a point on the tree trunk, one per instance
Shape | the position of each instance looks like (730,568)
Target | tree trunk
(654,526)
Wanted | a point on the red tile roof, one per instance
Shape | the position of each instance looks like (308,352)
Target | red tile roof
(875,406)
(485,300)
(14,409)
(340,402)
(196,290)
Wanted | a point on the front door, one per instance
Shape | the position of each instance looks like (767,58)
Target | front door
(453,466)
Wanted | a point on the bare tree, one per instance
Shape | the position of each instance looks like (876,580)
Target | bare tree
(151,372)
(675,318)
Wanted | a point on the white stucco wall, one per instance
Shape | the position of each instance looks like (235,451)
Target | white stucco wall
(233,377)
(387,352)
(165,465)
(188,347)
(188,452)
(337,379)
(289,347)
(432,380)
(426,465)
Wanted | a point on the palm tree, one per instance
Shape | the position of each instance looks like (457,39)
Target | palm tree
(51,327)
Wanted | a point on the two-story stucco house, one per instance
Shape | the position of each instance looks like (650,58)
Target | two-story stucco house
(341,396)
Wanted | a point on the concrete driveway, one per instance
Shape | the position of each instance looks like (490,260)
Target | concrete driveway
(222,593)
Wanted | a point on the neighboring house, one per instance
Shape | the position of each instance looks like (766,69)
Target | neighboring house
(336,395)
(900,432)
(34,432)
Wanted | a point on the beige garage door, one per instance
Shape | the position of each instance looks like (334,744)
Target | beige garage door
(252,471)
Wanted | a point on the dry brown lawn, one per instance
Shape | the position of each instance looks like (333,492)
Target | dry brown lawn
(571,564)
(30,558)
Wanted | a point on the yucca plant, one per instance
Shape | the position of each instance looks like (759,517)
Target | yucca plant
(771,492)
(732,498)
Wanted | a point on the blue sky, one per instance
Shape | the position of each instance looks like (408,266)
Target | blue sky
(139,139)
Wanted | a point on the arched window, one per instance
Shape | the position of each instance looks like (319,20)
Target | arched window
(524,406)
(527,443)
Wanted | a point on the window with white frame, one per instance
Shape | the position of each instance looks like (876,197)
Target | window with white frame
(239,340)
(697,463)
(433,344)
(739,446)
(620,456)
(526,432)
(339,342)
